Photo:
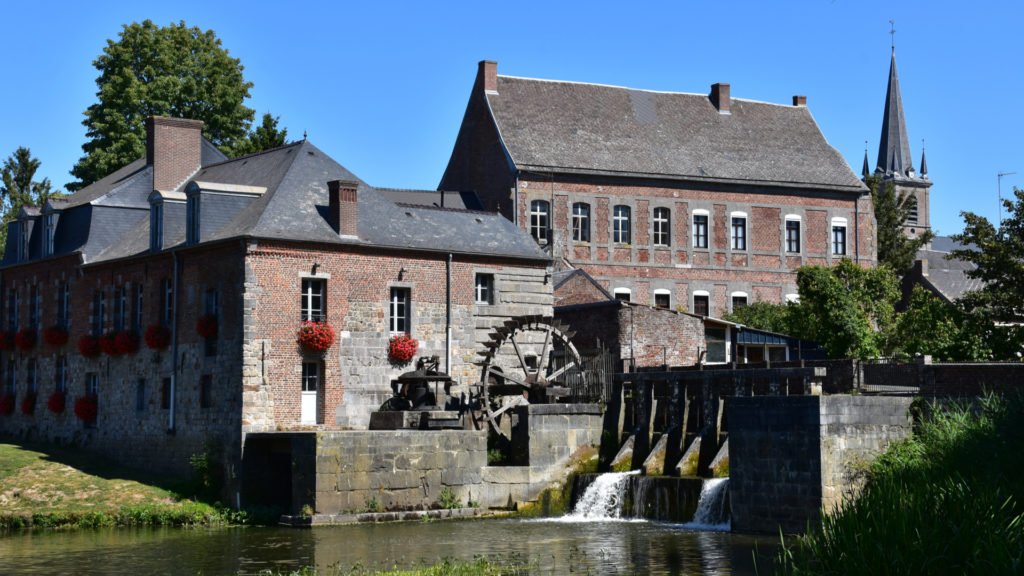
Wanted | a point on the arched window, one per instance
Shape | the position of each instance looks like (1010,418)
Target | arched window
(581,222)
(621,225)
(540,220)
(662,226)
(911,204)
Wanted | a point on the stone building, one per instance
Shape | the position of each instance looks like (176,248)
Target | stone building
(223,259)
(699,202)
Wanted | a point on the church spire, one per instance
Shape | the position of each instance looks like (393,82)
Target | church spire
(894,146)
(924,163)
(865,171)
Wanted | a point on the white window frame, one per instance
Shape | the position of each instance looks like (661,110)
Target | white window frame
(622,224)
(483,289)
(581,222)
(795,218)
(695,237)
(64,305)
(156,227)
(167,302)
(48,233)
(540,220)
(663,292)
(661,226)
(738,294)
(313,302)
(838,223)
(137,312)
(120,307)
(399,310)
(60,374)
(620,291)
(738,242)
(693,301)
(34,307)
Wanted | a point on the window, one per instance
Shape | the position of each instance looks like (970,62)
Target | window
(120,307)
(581,222)
(662,225)
(793,234)
(662,298)
(623,294)
(31,374)
(140,395)
(63,304)
(12,309)
(23,240)
(540,219)
(137,317)
(211,307)
(701,303)
(911,204)
(192,217)
(313,300)
(49,227)
(92,384)
(33,307)
(156,227)
(398,315)
(310,376)
(621,225)
(839,236)
(60,374)
(99,306)
(205,390)
(714,339)
(739,231)
(484,288)
(700,229)
(739,300)
(167,301)
(165,394)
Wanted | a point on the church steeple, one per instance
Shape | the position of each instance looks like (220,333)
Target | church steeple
(924,163)
(865,171)
(894,146)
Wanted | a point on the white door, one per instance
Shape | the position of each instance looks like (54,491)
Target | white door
(310,387)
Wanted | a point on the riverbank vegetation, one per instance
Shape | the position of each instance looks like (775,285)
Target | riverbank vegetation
(59,488)
(949,500)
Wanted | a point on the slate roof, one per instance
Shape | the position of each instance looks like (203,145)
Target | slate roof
(596,129)
(456,200)
(894,145)
(947,277)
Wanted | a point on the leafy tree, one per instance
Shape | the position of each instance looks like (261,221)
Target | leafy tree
(263,137)
(163,71)
(765,316)
(892,210)
(943,330)
(19,188)
(847,309)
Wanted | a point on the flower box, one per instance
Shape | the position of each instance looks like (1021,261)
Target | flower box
(86,408)
(89,346)
(56,336)
(56,402)
(402,348)
(28,404)
(25,339)
(206,326)
(126,342)
(315,336)
(158,337)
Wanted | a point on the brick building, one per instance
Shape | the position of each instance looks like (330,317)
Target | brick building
(223,259)
(688,201)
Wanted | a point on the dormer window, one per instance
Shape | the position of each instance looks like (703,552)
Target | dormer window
(24,235)
(49,229)
(192,219)
(156,227)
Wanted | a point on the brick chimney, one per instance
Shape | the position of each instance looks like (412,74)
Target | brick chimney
(487,75)
(800,101)
(720,97)
(173,149)
(344,210)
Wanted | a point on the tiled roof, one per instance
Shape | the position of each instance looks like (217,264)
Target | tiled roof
(947,276)
(588,128)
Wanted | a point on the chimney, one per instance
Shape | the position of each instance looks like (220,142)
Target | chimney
(344,211)
(720,97)
(800,101)
(487,74)
(173,149)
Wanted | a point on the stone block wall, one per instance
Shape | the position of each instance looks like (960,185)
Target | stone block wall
(793,457)
(550,433)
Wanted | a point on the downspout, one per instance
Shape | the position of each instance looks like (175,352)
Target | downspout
(856,230)
(515,202)
(174,344)
(448,315)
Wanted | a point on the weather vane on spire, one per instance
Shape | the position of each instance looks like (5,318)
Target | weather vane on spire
(892,32)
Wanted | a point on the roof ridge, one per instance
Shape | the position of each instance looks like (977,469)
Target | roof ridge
(444,208)
(254,154)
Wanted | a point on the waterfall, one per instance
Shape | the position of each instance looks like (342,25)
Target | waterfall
(712,510)
(603,499)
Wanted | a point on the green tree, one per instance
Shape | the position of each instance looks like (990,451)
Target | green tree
(163,71)
(765,316)
(19,188)
(892,210)
(943,330)
(847,309)
(263,137)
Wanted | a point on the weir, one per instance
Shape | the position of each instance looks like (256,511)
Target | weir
(694,502)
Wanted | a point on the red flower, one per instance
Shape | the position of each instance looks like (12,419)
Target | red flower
(6,340)
(56,402)
(108,343)
(315,336)
(402,348)
(158,337)
(126,342)
(89,346)
(28,404)
(25,339)
(86,408)
(55,336)
(206,326)
(7,404)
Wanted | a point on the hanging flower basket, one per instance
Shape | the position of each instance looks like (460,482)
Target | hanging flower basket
(7,404)
(56,402)
(402,348)
(315,336)
(6,340)
(108,343)
(25,339)
(89,346)
(126,342)
(86,408)
(56,336)
(206,326)
(28,404)
(158,337)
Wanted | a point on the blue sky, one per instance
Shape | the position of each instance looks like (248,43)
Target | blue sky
(382,86)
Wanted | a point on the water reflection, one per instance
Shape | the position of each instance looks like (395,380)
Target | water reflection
(551,547)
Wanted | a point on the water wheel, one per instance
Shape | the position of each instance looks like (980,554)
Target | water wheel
(526,360)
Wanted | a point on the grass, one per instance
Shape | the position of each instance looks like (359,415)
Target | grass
(59,488)
(949,500)
(446,567)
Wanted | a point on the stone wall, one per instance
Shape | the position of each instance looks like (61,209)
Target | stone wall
(550,433)
(793,457)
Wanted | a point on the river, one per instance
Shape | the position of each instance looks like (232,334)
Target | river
(549,547)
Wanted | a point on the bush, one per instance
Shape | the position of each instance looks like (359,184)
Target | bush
(448,500)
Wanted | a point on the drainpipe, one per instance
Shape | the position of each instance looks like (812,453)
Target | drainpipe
(856,230)
(448,315)
(174,344)
(515,202)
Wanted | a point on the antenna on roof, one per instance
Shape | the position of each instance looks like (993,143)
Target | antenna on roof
(892,33)
(304,134)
